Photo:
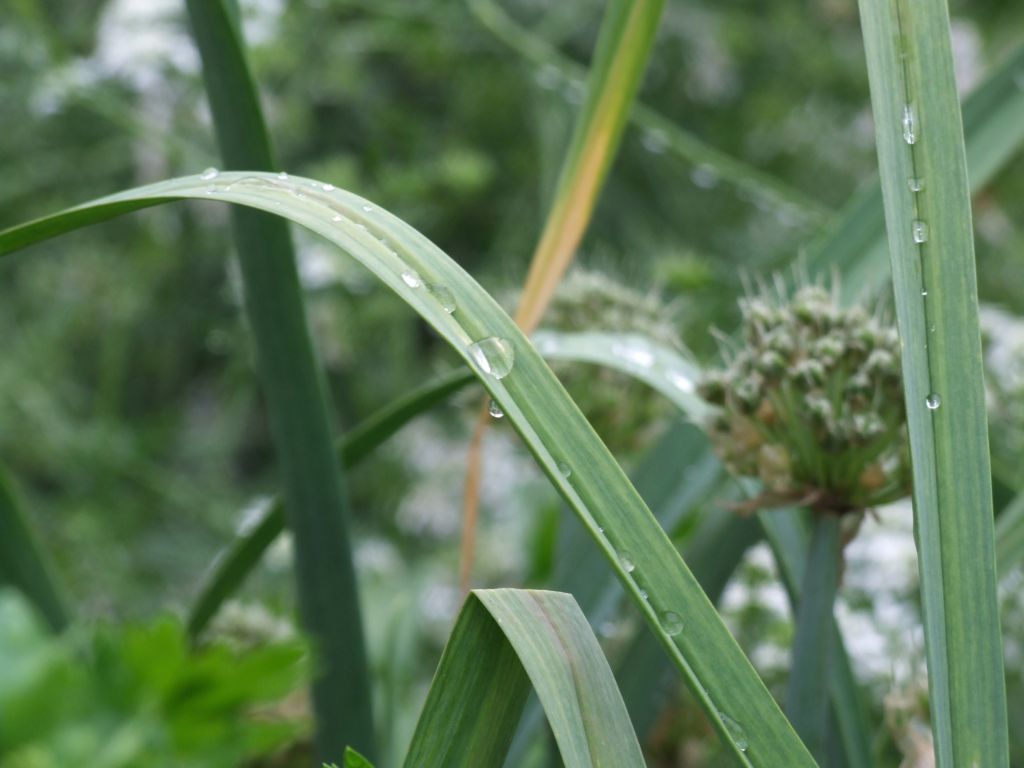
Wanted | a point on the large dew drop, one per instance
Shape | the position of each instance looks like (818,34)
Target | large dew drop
(909,125)
(626,561)
(412,278)
(933,401)
(209,173)
(671,622)
(493,355)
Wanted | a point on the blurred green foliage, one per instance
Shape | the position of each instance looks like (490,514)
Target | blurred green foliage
(129,410)
(133,696)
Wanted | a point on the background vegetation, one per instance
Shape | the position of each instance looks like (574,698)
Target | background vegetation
(130,413)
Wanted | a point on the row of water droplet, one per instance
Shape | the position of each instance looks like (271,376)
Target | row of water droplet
(918,227)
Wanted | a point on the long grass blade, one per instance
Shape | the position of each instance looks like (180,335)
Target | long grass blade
(563,443)
(928,217)
(624,45)
(504,642)
(23,562)
(317,505)
(993,117)
(244,553)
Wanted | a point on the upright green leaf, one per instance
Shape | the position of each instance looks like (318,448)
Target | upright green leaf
(504,642)
(317,506)
(23,562)
(577,463)
(928,218)
(994,126)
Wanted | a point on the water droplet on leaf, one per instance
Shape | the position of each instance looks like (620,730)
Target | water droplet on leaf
(933,401)
(495,356)
(909,124)
(626,561)
(412,278)
(495,410)
(671,622)
(920,232)
(916,185)
(443,296)
(209,173)
(736,732)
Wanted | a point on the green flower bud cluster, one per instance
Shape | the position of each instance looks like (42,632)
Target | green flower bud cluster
(811,403)
(622,410)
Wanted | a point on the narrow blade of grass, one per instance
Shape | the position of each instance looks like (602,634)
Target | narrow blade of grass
(807,691)
(244,553)
(23,562)
(920,144)
(563,443)
(291,378)
(504,641)
(624,45)
(993,117)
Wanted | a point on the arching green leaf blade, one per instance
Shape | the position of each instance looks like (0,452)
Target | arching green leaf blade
(563,443)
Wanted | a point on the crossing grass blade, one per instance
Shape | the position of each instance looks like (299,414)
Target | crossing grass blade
(920,137)
(296,403)
(244,553)
(23,562)
(737,703)
(504,642)
(993,116)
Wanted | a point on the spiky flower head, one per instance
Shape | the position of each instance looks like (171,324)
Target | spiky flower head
(811,403)
(622,410)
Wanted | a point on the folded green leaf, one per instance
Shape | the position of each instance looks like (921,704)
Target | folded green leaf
(504,642)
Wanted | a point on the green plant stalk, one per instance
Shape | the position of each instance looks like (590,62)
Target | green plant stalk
(920,137)
(313,487)
(23,562)
(231,568)
(561,440)
(807,692)
(789,538)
